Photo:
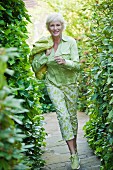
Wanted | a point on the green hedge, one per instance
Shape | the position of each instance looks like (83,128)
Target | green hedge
(13,33)
(11,137)
(99,129)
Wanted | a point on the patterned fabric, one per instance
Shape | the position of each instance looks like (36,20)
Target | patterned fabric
(65,101)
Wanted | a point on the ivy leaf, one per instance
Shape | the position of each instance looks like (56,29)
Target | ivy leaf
(2,8)
(109,80)
(105,42)
(111,101)
(16,119)
(10,72)
(110,114)
(10,101)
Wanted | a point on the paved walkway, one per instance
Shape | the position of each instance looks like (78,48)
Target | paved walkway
(57,154)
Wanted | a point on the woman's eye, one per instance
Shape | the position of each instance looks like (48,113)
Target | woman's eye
(51,25)
(58,25)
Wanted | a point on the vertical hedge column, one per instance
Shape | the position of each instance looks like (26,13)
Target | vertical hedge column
(13,33)
(99,129)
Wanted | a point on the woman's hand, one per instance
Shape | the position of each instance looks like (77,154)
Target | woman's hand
(60,60)
(48,51)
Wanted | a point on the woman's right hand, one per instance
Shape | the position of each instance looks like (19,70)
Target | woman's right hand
(48,51)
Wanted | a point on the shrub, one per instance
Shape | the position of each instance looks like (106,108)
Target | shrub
(100,99)
(11,137)
(13,33)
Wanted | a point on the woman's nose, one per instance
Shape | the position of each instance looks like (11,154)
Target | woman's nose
(55,27)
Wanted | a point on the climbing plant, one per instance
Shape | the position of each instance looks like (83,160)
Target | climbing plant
(99,131)
(13,33)
(11,137)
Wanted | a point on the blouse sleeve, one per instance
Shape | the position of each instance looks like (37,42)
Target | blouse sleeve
(73,63)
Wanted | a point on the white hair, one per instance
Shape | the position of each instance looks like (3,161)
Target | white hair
(55,17)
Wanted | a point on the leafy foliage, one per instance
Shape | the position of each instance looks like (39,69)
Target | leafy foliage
(13,33)
(11,137)
(100,98)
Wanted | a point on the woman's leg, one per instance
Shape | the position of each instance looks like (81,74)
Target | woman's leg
(58,98)
(71,104)
(75,161)
(64,100)
(72,145)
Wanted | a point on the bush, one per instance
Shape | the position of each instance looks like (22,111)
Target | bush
(11,137)
(13,33)
(99,130)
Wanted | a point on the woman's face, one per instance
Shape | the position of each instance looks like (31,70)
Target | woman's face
(55,28)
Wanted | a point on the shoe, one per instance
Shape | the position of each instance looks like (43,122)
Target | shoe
(75,161)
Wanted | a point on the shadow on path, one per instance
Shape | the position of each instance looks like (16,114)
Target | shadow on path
(57,154)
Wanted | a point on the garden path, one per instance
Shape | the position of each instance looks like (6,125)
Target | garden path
(57,154)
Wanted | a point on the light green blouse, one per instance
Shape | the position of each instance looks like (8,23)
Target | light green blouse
(61,74)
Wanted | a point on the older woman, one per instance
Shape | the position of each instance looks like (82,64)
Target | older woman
(62,62)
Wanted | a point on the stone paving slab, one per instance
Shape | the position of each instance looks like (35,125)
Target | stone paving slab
(56,152)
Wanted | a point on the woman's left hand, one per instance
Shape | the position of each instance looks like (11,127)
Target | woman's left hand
(60,60)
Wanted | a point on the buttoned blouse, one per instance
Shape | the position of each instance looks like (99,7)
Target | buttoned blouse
(61,74)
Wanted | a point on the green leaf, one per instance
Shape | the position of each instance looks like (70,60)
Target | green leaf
(105,41)
(111,101)
(10,101)
(16,119)
(4,164)
(1,144)
(2,8)
(10,72)
(109,80)
(110,114)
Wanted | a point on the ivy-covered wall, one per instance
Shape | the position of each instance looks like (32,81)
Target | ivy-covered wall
(13,33)
(99,129)
(12,146)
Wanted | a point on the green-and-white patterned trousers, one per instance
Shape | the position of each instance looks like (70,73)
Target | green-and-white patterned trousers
(64,99)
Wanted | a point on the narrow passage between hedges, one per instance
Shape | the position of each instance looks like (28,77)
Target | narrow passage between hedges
(57,154)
